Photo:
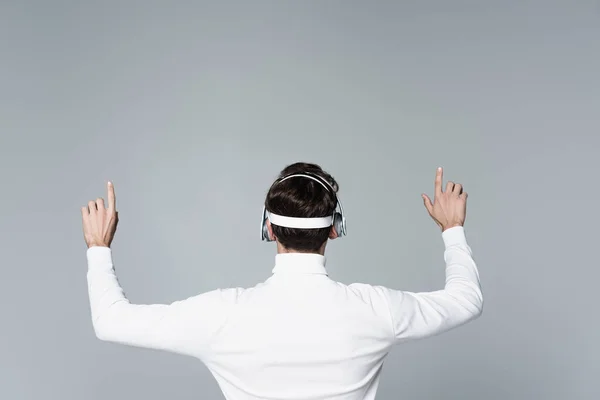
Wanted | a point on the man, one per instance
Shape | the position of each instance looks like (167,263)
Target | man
(299,334)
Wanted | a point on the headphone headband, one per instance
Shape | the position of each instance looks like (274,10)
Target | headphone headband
(314,177)
(302,223)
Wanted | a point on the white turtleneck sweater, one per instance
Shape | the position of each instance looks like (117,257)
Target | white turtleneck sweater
(299,334)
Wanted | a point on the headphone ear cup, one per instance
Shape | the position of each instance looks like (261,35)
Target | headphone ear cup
(338,224)
(265,231)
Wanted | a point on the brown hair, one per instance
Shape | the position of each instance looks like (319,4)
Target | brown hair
(305,198)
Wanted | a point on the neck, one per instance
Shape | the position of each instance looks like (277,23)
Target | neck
(283,250)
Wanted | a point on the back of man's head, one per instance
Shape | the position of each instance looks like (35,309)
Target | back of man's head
(305,198)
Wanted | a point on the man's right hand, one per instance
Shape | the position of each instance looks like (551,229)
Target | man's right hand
(99,223)
(449,207)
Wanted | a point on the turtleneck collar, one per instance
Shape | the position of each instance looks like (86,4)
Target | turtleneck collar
(300,263)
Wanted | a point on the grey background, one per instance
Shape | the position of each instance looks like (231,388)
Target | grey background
(192,108)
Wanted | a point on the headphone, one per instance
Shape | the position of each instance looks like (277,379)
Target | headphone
(337,220)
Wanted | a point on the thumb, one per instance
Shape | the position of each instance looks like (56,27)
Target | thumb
(428,203)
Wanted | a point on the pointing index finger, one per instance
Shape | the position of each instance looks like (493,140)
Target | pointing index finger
(112,200)
(438,181)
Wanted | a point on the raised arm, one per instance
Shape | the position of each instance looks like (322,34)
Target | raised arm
(418,315)
(183,327)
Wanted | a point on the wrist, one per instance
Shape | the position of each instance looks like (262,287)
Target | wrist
(97,244)
(449,226)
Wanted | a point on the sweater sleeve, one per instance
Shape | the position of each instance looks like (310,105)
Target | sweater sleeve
(184,327)
(419,315)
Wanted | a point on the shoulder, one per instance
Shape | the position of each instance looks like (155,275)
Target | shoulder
(219,296)
(376,296)
(368,291)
